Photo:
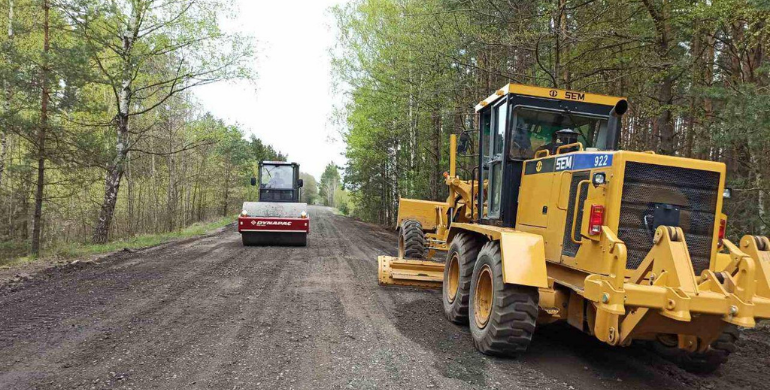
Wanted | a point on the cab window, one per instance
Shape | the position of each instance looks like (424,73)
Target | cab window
(277,177)
(535,129)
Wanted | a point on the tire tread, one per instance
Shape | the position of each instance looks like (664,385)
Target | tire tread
(513,320)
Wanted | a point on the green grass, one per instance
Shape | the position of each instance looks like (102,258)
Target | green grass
(76,250)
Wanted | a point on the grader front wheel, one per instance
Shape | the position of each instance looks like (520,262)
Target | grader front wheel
(502,315)
(411,240)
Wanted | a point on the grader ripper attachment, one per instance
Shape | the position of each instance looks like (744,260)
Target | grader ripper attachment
(556,224)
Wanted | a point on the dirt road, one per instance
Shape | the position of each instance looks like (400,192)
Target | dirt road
(210,313)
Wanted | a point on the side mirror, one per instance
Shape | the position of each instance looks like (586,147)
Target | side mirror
(253,181)
(300,183)
(463,143)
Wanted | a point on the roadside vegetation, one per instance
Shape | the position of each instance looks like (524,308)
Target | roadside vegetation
(695,74)
(331,191)
(101,140)
(76,250)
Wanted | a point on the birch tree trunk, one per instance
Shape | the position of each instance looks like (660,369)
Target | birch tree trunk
(116,168)
(114,173)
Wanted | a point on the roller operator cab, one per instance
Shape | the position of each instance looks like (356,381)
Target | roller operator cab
(556,224)
(278,217)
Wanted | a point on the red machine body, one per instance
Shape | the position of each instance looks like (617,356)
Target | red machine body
(269,224)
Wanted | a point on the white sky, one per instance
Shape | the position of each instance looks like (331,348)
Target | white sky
(291,104)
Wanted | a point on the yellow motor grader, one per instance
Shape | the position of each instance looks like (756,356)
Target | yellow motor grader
(557,224)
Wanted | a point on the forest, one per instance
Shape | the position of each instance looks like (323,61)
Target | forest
(695,74)
(102,138)
(101,135)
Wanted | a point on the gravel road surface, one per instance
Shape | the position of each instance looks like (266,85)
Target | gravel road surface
(210,313)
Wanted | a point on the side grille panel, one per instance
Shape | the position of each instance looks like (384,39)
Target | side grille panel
(694,191)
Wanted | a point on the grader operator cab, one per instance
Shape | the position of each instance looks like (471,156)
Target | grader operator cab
(556,224)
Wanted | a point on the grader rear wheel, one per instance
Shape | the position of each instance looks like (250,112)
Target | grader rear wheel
(411,240)
(457,276)
(503,315)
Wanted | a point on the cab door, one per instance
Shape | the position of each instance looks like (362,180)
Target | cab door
(496,159)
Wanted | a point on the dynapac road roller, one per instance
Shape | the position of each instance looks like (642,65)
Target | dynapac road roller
(557,224)
(278,218)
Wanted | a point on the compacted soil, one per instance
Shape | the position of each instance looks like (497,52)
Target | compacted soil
(210,313)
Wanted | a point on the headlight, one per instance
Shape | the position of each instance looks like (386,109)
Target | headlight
(303,215)
(599,179)
(244,213)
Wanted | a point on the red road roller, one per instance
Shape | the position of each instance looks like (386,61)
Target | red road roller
(278,217)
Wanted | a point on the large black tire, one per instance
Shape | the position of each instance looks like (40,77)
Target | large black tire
(273,239)
(411,240)
(457,276)
(700,363)
(249,239)
(512,309)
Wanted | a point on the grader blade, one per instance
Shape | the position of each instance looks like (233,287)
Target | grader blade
(393,271)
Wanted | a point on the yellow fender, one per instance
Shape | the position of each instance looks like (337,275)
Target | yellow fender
(523,259)
(523,254)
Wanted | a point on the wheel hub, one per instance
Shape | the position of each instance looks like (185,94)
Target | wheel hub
(453,284)
(482,300)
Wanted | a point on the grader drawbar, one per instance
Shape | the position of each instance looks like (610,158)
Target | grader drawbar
(557,224)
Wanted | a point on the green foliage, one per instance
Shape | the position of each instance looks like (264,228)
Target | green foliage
(331,191)
(178,164)
(77,250)
(310,188)
(342,201)
(330,182)
(695,74)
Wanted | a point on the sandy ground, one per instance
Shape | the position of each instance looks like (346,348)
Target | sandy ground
(210,313)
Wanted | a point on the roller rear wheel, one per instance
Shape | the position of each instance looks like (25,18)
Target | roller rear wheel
(273,239)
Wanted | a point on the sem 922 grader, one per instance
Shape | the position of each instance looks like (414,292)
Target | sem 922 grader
(556,224)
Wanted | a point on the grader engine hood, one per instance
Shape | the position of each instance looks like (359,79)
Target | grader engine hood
(651,191)
(659,249)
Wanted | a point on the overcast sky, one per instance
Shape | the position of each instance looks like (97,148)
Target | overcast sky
(290,105)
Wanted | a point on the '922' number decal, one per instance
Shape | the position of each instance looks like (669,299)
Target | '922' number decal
(601,160)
